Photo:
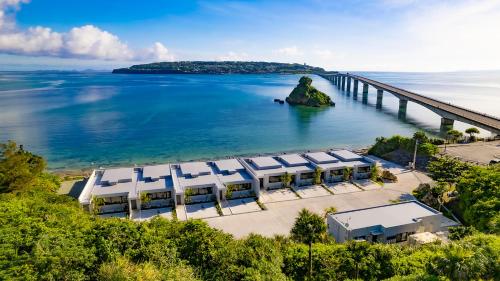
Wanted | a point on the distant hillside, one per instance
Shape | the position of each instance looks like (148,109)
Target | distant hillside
(219,67)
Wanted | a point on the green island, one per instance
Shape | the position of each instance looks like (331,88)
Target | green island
(219,67)
(305,94)
(47,236)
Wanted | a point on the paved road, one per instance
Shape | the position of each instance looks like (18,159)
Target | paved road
(280,216)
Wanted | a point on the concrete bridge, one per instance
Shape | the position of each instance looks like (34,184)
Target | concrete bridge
(448,112)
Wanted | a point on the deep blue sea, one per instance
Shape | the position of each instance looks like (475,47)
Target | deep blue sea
(79,120)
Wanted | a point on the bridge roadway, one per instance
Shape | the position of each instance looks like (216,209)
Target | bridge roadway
(447,111)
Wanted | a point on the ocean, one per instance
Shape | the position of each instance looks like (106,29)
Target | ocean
(91,119)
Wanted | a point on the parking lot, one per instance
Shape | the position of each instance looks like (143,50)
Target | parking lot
(280,215)
(311,191)
(141,215)
(241,206)
(277,195)
(342,187)
(201,210)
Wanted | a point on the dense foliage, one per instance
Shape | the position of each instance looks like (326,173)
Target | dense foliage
(305,94)
(219,67)
(477,187)
(44,236)
(400,149)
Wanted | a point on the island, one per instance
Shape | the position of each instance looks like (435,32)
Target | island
(220,67)
(305,94)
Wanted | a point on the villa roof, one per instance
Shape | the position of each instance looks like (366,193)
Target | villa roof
(228,165)
(321,157)
(156,171)
(346,155)
(101,189)
(117,174)
(265,162)
(293,160)
(163,184)
(195,169)
(385,216)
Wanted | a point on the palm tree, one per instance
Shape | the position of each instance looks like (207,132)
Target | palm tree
(145,198)
(471,131)
(286,179)
(308,228)
(317,175)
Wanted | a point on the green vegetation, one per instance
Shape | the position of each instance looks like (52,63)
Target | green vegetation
(286,179)
(400,149)
(478,191)
(453,135)
(45,236)
(348,172)
(317,175)
(219,209)
(330,210)
(219,67)
(305,94)
(472,133)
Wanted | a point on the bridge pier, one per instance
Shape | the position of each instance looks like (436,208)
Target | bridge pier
(446,124)
(348,84)
(334,80)
(343,83)
(339,78)
(402,108)
(380,94)
(355,90)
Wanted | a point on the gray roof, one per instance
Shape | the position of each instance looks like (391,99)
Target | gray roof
(118,189)
(161,185)
(195,169)
(156,171)
(265,162)
(321,157)
(228,165)
(386,215)
(114,175)
(293,160)
(346,155)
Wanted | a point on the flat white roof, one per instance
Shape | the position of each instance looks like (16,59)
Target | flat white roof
(386,215)
(321,157)
(114,175)
(265,162)
(346,155)
(293,159)
(195,169)
(118,189)
(161,185)
(156,171)
(228,165)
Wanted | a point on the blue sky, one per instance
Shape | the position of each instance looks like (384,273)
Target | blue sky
(377,35)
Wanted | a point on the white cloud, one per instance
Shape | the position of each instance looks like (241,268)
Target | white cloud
(87,42)
(233,56)
(289,51)
(159,52)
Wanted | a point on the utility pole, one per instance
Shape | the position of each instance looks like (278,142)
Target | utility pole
(414,164)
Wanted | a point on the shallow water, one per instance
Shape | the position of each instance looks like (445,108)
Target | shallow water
(80,120)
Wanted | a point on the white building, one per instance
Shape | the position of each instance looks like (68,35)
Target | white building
(236,179)
(155,182)
(388,223)
(334,164)
(195,182)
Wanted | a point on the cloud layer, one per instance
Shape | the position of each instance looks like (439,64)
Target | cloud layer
(85,42)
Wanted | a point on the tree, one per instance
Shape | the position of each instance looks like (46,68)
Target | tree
(308,228)
(317,175)
(145,199)
(19,169)
(330,210)
(447,169)
(229,191)
(472,131)
(454,135)
(348,174)
(286,179)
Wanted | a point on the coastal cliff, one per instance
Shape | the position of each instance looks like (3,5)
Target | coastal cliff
(219,67)
(305,94)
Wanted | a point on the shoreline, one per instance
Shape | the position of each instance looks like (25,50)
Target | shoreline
(86,171)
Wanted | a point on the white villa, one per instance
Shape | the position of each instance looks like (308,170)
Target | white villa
(122,190)
(391,223)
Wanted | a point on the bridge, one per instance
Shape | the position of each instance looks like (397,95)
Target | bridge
(448,112)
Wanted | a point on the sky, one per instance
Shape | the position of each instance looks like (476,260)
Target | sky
(350,35)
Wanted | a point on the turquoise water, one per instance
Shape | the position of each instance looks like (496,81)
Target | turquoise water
(79,120)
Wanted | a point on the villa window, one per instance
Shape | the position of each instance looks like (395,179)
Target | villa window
(115,200)
(274,179)
(201,191)
(336,172)
(306,176)
(243,186)
(364,169)
(160,195)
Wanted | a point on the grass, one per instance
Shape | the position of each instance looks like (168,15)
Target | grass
(261,205)
(295,192)
(174,213)
(326,188)
(219,209)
